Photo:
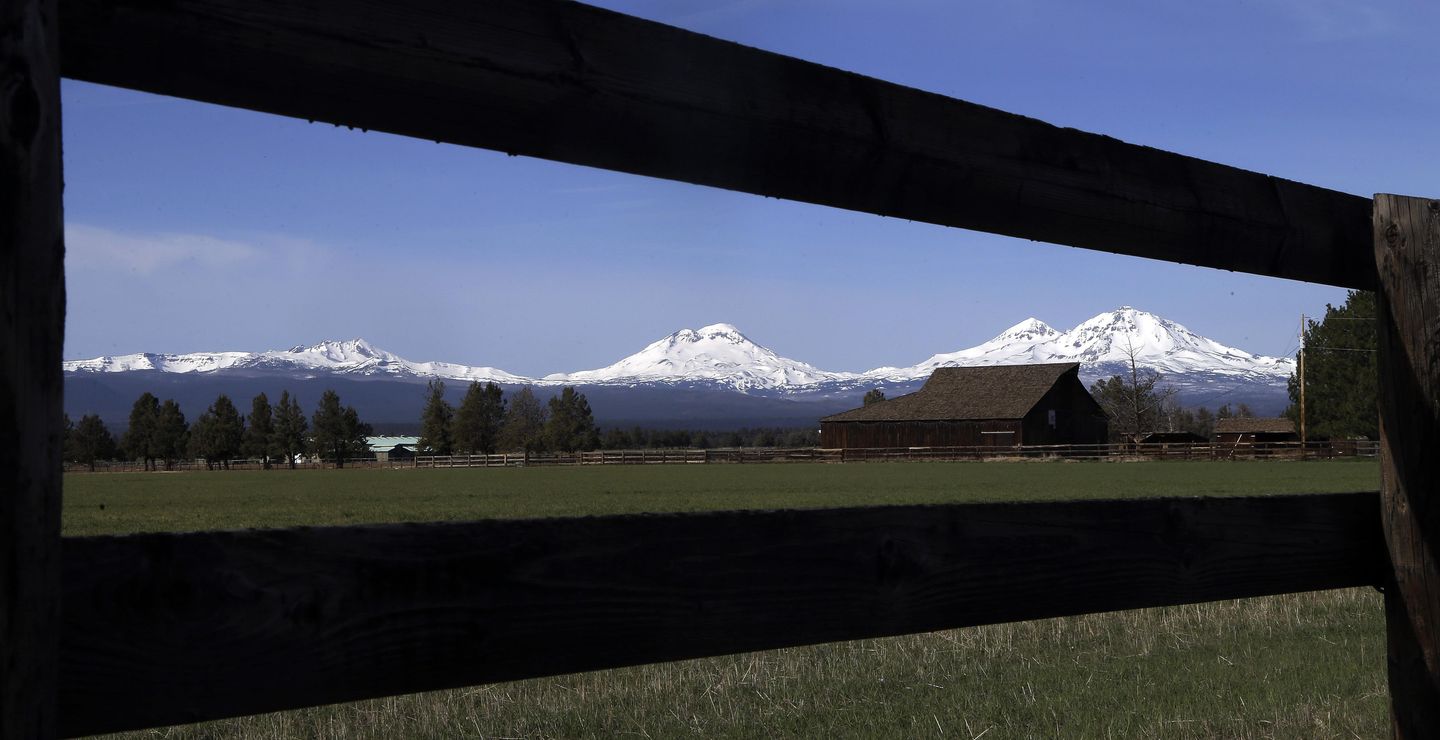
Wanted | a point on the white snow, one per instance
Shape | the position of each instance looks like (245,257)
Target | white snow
(717,353)
(1158,343)
(720,354)
(351,356)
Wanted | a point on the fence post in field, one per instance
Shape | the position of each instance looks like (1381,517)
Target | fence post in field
(32,330)
(1407,255)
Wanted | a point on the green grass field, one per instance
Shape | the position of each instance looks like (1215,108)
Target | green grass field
(112,503)
(1299,665)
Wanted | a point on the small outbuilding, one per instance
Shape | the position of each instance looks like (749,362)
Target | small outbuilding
(387,449)
(1172,438)
(993,406)
(1236,431)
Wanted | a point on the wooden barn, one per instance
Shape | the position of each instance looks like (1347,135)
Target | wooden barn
(999,406)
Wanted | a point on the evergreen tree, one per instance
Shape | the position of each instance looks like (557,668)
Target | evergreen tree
(218,433)
(618,439)
(571,425)
(436,436)
(1341,375)
(291,430)
(524,426)
(171,437)
(260,433)
(202,439)
(477,422)
(139,438)
(90,441)
(338,432)
(67,438)
(874,395)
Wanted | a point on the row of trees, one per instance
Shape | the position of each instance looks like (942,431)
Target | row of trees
(486,422)
(1139,405)
(159,434)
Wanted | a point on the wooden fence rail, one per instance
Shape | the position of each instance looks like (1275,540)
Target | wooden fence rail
(168,628)
(1167,451)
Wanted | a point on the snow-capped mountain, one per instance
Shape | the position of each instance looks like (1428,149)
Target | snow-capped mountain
(717,353)
(1103,345)
(712,376)
(351,357)
(720,356)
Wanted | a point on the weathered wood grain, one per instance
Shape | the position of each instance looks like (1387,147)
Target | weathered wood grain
(1407,256)
(573,83)
(173,628)
(32,327)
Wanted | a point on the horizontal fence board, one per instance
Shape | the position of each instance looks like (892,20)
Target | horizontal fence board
(578,84)
(169,628)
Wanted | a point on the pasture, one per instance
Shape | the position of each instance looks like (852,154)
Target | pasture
(1298,665)
(117,503)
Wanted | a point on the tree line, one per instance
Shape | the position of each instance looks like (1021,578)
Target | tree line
(158,433)
(485,422)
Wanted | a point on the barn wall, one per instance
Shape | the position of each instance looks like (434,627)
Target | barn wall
(1078,418)
(857,434)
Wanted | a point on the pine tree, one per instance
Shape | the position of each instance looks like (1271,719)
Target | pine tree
(571,425)
(67,439)
(478,420)
(291,434)
(218,433)
(202,439)
(90,441)
(874,395)
(338,432)
(524,426)
(139,439)
(1341,374)
(436,434)
(260,434)
(171,436)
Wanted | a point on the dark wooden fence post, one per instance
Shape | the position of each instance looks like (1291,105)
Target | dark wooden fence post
(1407,254)
(32,325)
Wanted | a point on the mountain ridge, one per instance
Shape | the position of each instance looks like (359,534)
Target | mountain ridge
(721,355)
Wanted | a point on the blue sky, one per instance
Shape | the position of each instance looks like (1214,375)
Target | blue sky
(195,227)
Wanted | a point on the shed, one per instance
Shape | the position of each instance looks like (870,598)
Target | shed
(993,406)
(393,448)
(1169,438)
(1233,431)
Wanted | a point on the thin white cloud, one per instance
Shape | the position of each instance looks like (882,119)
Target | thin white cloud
(1336,20)
(94,248)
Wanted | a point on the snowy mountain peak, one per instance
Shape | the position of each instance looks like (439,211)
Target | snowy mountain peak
(1031,328)
(347,350)
(728,330)
(1101,343)
(717,353)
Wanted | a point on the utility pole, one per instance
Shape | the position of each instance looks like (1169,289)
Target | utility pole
(1301,369)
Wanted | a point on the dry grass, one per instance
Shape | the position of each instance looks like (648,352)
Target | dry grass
(1299,665)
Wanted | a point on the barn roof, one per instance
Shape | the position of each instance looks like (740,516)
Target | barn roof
(1254,425)
(993,392)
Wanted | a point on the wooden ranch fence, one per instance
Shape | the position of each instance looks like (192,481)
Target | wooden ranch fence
(1168,451)
(738,455)
(110,633)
